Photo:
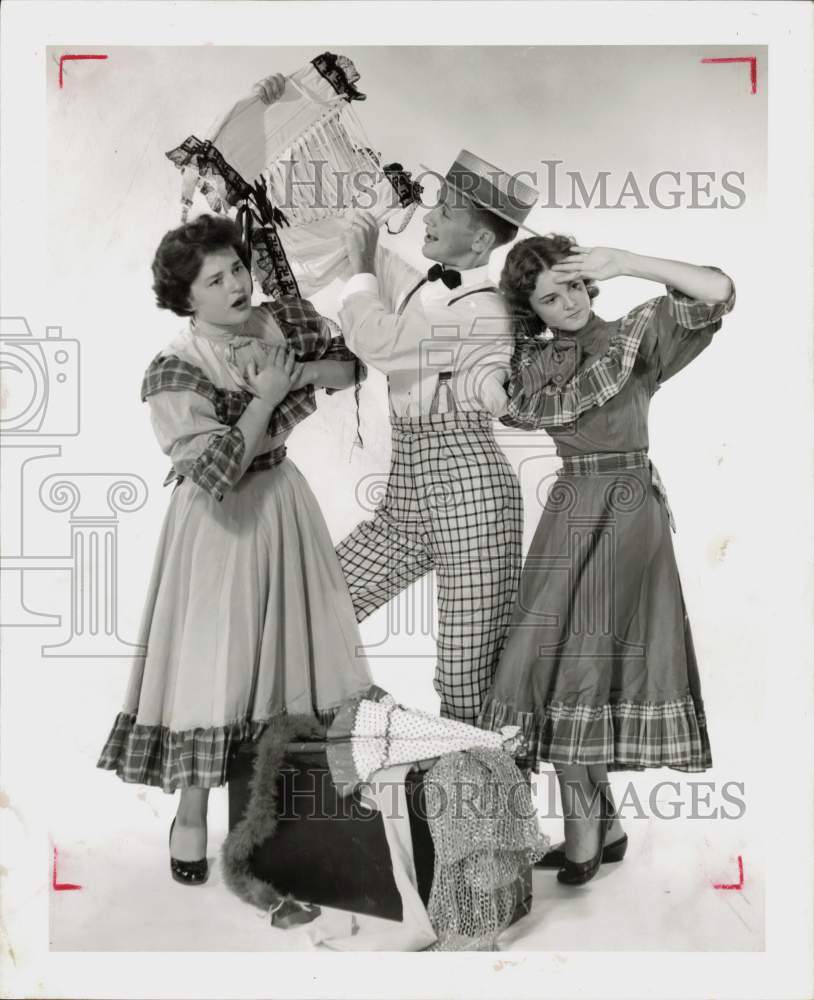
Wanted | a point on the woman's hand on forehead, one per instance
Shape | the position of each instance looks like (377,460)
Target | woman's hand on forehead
(591,263)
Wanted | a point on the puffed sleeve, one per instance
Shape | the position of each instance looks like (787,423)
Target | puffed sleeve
(307,332)
(679,329)
(198,445)
(313,337)
(185,422)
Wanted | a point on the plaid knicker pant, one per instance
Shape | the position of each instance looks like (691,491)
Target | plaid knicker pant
(453,504)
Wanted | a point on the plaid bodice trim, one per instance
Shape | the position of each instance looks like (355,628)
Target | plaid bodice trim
(541,397)
(548,389)
(169,373)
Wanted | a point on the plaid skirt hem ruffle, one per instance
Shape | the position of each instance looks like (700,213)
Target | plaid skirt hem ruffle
(157,755)
(624,735)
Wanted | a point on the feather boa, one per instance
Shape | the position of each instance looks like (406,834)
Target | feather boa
(260,821)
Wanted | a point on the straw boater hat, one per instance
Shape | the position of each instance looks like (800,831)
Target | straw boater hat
(491,188)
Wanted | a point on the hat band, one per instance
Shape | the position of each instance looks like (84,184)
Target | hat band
(487,195)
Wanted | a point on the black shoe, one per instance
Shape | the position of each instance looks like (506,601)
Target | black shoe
(580,872)
(188,872)
(610,853)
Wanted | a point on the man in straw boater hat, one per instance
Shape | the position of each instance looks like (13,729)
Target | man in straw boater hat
(452,501)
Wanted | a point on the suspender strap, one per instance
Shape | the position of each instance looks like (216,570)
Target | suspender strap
(409,295)
(444,378)
(475,291)
(443,385)
(390,399)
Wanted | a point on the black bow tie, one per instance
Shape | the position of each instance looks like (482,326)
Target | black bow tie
(450,277)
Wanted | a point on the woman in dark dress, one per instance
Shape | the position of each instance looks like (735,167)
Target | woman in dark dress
(598,668)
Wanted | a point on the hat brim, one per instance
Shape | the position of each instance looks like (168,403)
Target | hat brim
(486,208)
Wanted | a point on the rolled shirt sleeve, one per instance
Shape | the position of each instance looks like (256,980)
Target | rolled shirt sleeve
(365,283)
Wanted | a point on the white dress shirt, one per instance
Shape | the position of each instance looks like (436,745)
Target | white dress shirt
(471,338)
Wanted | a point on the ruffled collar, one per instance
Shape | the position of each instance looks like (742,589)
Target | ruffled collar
(200,328)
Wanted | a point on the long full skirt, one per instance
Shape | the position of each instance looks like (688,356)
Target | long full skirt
(599,665)
(247,617)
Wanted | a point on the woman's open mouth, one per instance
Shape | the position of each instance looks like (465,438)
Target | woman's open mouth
(241,302)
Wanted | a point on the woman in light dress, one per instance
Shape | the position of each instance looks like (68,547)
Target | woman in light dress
(247,615)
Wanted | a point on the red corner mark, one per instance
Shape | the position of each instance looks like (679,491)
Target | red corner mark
(61,886)
(739,883)
(752,60)
(64,59)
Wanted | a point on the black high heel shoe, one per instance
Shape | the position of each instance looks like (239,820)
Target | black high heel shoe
(580,872)
(611,853)
(188,872)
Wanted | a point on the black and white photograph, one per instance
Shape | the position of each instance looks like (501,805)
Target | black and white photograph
(406,500)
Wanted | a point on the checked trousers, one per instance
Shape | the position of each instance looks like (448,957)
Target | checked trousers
(452,503)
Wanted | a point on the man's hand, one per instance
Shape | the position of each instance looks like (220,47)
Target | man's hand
(270,89)
(361,240)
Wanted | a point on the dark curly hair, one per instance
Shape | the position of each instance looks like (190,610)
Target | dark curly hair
(523,265)
(180,255)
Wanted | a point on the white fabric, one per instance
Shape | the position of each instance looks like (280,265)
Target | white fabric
(386,734)
(472,338)
(366,283)
(430,292)
(252,134)
(414,931)
(313,156)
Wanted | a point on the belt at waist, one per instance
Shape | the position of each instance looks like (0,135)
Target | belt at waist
(435,423)
(615,461)
(260,462)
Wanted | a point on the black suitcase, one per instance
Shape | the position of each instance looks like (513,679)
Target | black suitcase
(330,850)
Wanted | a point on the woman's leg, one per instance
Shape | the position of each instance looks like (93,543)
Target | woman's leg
(188,840)
(598,774)
(580,803)
(580,789)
